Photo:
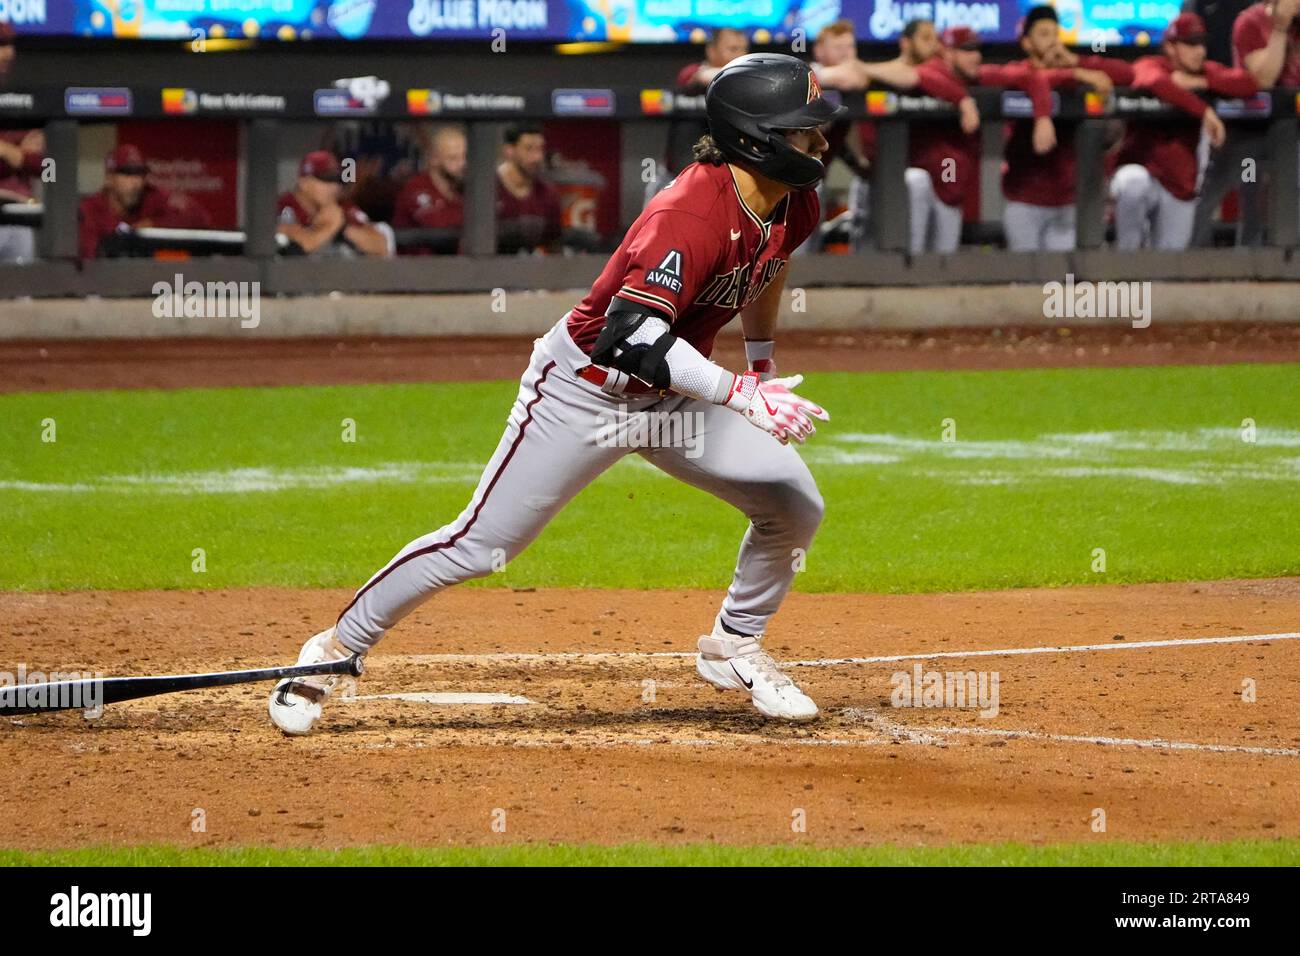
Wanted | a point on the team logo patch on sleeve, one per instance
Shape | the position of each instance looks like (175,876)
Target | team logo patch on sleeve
(668,273)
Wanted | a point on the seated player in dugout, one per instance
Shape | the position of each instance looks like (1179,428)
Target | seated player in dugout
(22,156)
(433,199)
(1156,166)
(943,158)
(713,244)
(528,207)
(317,221)
(128,199)
(1039,187)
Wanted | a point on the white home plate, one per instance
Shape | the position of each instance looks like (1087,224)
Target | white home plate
(425,697)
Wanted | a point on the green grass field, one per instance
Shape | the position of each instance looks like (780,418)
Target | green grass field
(1238,853)
(1157,466)
(1148,464)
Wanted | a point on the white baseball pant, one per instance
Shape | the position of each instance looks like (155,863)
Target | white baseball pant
(1031,228)
(934,225)
(553,447)
(17,244)
(1147,214)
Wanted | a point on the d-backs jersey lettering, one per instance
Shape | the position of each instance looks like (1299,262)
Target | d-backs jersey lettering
(698,255)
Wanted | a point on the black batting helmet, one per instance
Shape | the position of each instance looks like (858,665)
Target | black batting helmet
(753,99)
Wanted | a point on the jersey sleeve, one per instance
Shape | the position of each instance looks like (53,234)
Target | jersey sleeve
(354,216)
(672,257)
(1023,77)
(934,79)
(1120,73)
(1249,33)
(1227,81)
(1152,73)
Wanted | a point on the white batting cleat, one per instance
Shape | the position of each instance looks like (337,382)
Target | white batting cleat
(295,704)
(730,662)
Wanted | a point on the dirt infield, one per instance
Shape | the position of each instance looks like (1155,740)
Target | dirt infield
(190,363)
(618,740)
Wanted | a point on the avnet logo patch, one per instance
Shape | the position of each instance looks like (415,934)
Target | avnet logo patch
(76,909)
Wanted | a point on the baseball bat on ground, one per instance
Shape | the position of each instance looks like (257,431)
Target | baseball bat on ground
(88,694)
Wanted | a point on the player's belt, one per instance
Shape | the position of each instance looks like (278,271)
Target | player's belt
(614,382)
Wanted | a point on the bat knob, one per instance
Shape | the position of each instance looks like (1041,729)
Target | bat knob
(357,666)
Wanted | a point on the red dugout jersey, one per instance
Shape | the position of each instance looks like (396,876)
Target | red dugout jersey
(1168,150)
(697,254)
(1049,180)
(950,156)
(99,218)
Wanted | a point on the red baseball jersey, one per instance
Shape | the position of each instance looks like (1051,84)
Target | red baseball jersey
(1168,150)
(1049,180)
(422,205)
(291,212)
(950,156)
(529,221)
(18,178)
(1250,32)
(99,218)
(697,254)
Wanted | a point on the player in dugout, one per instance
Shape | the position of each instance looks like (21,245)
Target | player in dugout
(317,221)
(434,198)
(1040,187)
(943,158)
(22,157)
(1155,168)
(129,201)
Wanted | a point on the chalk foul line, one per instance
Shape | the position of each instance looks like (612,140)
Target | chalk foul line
(843,661)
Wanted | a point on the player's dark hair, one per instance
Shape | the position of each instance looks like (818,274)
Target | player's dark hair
(706,150)
(910,28)
(1034,14)
(516,131)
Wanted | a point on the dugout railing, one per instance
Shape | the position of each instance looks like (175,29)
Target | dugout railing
(643,115)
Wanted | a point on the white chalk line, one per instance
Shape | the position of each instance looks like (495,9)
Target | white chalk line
(894,733)
(1059,649)
(454,699)
(891,734)
(1148,744)
(506,656)
(904,732)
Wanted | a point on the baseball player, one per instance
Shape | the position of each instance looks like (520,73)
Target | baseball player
(943,158)
(1265,41)
(712,244)
(1154,185)
(1039,187)
(915,67)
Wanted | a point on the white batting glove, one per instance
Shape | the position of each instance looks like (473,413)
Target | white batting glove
(774,407)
